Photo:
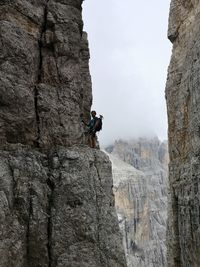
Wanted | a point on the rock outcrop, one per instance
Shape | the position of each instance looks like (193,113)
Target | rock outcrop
(56,200)
(140,187)
(183,101)
(45,83)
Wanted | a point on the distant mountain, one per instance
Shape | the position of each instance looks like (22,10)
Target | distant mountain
(140,186)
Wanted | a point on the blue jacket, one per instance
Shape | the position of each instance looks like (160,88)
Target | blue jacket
(92,123)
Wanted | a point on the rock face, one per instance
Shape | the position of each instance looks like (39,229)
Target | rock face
(56,200)
(140,186)
(57,210)
(183,101)
(45,83)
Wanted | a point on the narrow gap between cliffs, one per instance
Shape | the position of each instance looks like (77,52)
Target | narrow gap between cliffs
(51,184)
(39,77)
(98,210)
(30,213)
(175,208)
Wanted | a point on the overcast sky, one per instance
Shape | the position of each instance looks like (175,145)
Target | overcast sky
(130,54)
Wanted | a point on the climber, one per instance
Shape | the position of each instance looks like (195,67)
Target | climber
(95,125)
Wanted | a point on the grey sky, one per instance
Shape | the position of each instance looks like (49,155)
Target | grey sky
(129,58)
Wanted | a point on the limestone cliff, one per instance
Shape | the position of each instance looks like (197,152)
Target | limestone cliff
(140,187)
(183,101)
(56,200)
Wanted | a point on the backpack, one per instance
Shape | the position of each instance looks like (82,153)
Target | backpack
(99,126)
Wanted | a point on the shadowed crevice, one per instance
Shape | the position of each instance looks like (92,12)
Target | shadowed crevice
(39,77)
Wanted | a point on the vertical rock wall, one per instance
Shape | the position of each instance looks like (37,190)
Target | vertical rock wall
(183,102)
(45,82)
(56,200)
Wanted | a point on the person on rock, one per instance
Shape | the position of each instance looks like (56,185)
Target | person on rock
(94,125)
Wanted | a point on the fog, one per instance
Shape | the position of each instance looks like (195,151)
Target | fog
(130,54)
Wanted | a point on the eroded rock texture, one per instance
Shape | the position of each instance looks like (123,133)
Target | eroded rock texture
(56,200)
(45,83)
(57,210)
(140,187)
(183,101)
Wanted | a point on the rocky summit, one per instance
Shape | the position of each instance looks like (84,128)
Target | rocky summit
(183,102)
(56,199)
(140,186)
